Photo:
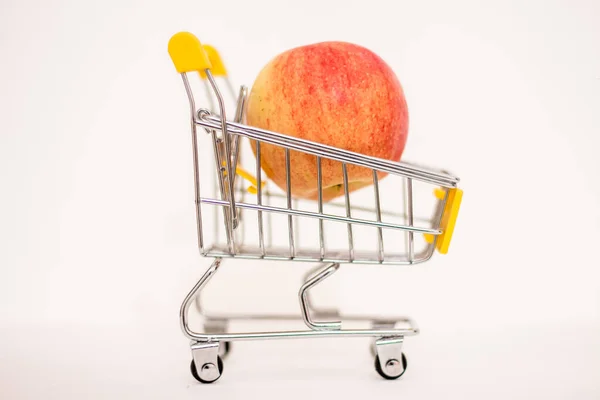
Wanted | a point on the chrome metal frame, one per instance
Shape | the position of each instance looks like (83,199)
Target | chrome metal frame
(230,196)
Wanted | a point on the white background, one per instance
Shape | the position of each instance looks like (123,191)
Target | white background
(97,234)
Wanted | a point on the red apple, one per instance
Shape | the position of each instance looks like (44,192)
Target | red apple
(336,93)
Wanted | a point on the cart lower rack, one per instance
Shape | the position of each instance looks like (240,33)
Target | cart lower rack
(236,219)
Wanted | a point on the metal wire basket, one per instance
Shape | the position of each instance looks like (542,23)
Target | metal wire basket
(236,216)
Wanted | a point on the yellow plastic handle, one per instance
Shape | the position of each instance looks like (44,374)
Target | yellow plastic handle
(218,67)
(449,217)
(187,53)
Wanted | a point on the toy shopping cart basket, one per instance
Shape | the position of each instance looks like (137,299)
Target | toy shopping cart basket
(238,215)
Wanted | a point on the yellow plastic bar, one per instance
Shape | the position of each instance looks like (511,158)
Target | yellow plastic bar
(187,53)
(439,193)
(249,177)
(218,67)
(449,217)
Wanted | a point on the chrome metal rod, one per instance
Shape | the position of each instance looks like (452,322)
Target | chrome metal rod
(355,207)
(197,203)
(335,218)
(303,293)
(219,167)
(387,322)
(436,220)
(303,334)
(320,188)
(215,223)
(268,202)
(185,306)
(296,226)
(261,237)
(348,214)
(227,140)
(239,112)
(440,214)
(282,254)
(318,149)
(241,228)
(288,190)
(378,214)
(236,158)
(409,215)
(317,313)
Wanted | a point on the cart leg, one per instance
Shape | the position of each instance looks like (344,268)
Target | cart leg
(318,312)
(206,365)
(213,325)
(304,304)
(390,362)
(185,306)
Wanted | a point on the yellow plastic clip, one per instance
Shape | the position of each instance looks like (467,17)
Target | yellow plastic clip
(187,53)
(218,67)
(449,217)
(249,177)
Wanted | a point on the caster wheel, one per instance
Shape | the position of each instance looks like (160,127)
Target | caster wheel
(210,372)
(393,366)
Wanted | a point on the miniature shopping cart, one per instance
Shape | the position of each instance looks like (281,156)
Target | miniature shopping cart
(240,215)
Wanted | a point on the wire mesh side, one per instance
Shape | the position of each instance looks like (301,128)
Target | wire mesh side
(352,215)
(261,236)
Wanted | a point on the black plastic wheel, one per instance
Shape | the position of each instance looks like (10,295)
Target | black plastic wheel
(195,371)
(386,376)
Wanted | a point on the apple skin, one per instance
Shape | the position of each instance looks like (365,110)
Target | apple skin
(336,93)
